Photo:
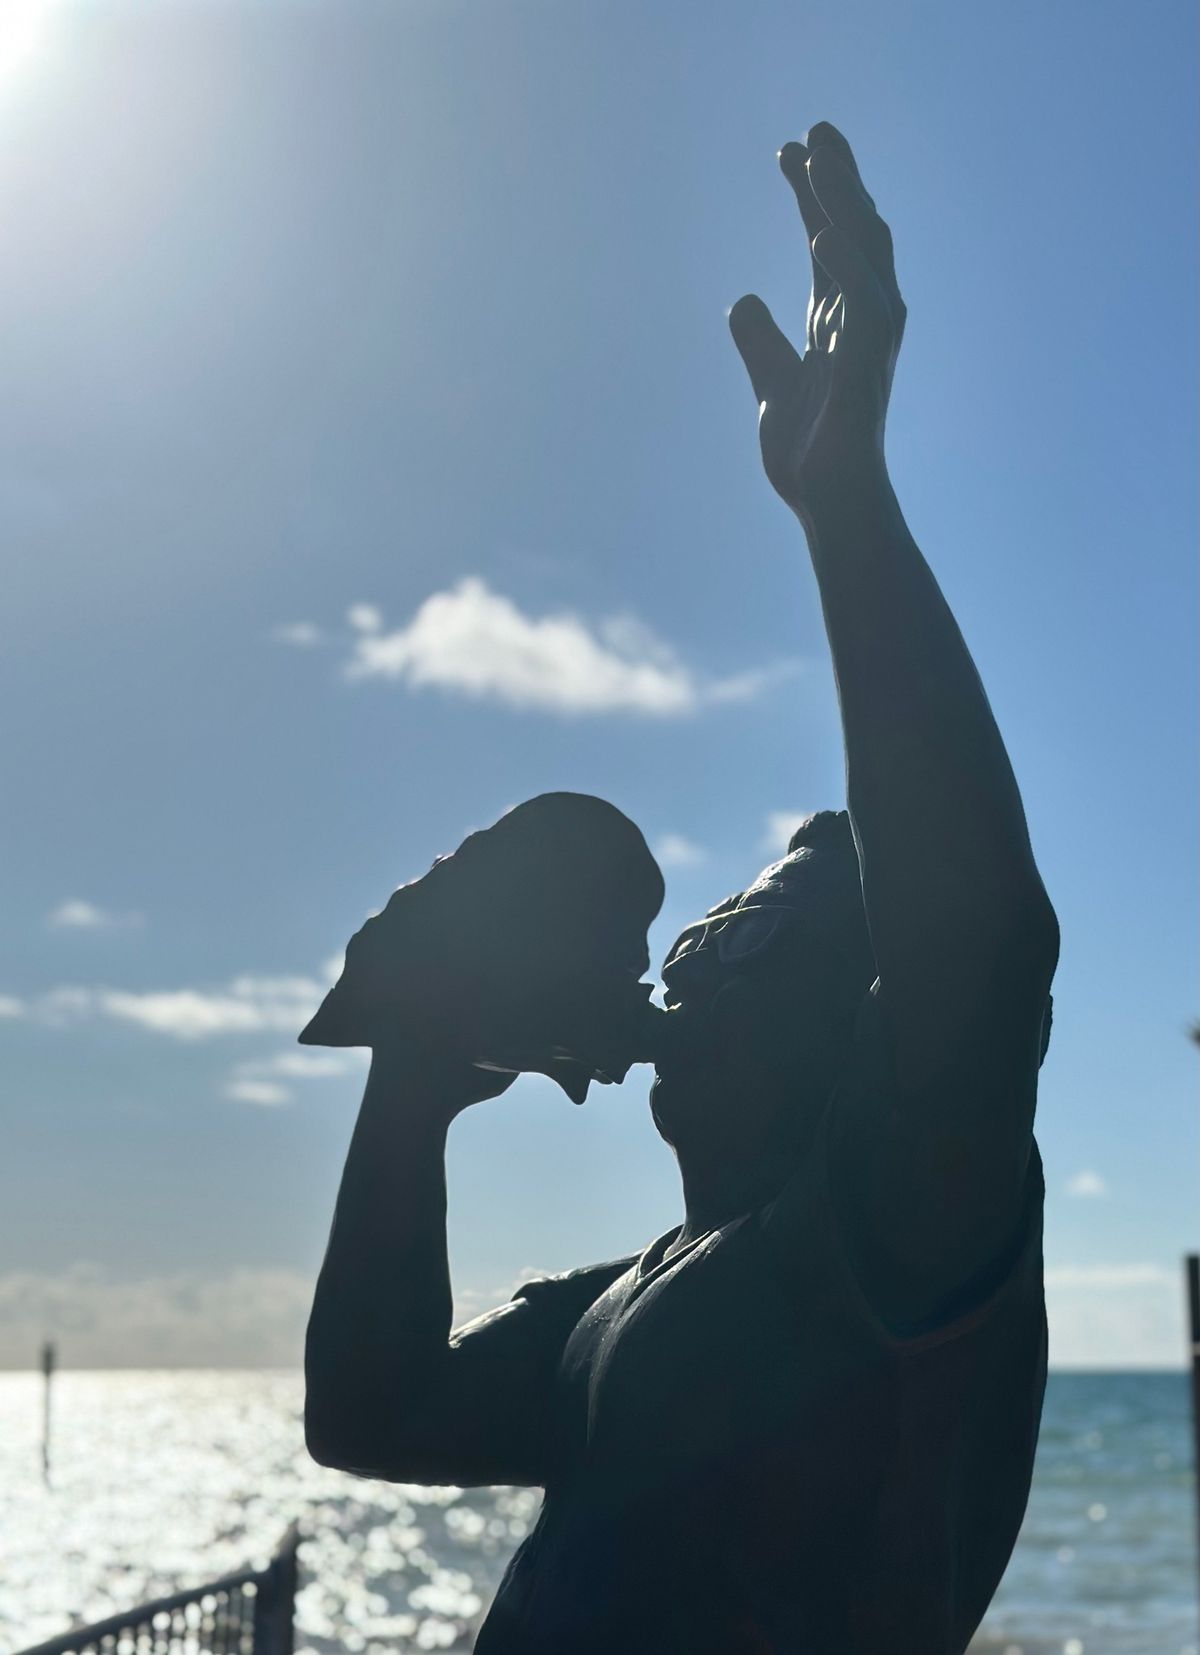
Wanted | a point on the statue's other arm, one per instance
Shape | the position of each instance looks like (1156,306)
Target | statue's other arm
(964,935)
(390,1391)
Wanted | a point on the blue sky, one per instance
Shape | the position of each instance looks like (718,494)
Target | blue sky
(344,345)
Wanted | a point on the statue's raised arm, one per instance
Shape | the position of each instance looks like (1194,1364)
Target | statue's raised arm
(964,937)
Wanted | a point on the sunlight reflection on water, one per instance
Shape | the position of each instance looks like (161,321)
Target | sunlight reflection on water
(162,1480)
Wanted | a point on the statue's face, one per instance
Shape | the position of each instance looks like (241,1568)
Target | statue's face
(760,1002)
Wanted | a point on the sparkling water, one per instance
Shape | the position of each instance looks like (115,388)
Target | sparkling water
(162,1480)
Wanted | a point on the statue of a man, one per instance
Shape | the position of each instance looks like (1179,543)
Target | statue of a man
(804,1420)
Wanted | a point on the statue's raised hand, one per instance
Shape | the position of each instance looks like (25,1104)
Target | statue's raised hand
(821,415)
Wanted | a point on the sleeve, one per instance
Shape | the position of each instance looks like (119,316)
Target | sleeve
(491,1419)
(807,1236)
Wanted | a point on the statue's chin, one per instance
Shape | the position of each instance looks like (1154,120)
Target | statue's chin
(668,1106)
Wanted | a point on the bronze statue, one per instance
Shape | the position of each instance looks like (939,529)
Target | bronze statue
(804,1420)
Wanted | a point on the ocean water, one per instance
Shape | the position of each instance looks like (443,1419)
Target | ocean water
(169,1479)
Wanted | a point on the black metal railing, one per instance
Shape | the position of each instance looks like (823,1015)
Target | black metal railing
(249,1613)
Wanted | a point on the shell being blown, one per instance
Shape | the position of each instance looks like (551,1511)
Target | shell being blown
(529,940)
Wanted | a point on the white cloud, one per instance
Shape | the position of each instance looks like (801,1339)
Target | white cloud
(530,1272)
(78,915)
(1115,1316)
(246,1005)
(60,1006)
(10,1006)
(475,642)
(474,1301)
(1106,1278)
(749,685)
(299,634)
(244,1317)
(674,851)
(265,1092)
(1087,1183)
(262,1080)
(779,827)
(365,617)
(308,1064)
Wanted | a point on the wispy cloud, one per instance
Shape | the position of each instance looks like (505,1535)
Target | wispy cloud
(1115,1316)
(1108,1278)
(749,685)
(308,1065)
(79,915)
(1087,1183)
(298,634)
(673,850)
(470,1303)
(267,1080)
(475,642)
(778,829)
(268,1093)
(365,617)
(245,1005)
(246,1317)
(62,1006)
(10,1006)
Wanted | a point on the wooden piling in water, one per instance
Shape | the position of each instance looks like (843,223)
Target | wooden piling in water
(48,1366)
(1193,1298)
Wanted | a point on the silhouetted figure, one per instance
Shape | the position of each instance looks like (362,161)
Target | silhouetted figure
(804,1420)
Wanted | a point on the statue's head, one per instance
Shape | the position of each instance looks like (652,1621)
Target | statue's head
(763,994)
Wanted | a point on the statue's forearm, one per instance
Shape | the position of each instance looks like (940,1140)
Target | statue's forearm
(382,1308)
(930,787)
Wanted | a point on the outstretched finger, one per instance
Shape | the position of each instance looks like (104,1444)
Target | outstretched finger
(839,190)
(826,136)
(768,353)
(793,163)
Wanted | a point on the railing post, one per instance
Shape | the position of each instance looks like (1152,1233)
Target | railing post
(1193,1302)
(274,1606)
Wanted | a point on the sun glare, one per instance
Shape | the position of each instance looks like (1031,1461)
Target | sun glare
(24,25)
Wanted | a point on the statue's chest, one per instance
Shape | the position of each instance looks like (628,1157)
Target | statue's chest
(701,1359)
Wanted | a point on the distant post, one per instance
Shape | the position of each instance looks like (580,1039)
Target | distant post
(48,1365)
(1193,1296)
